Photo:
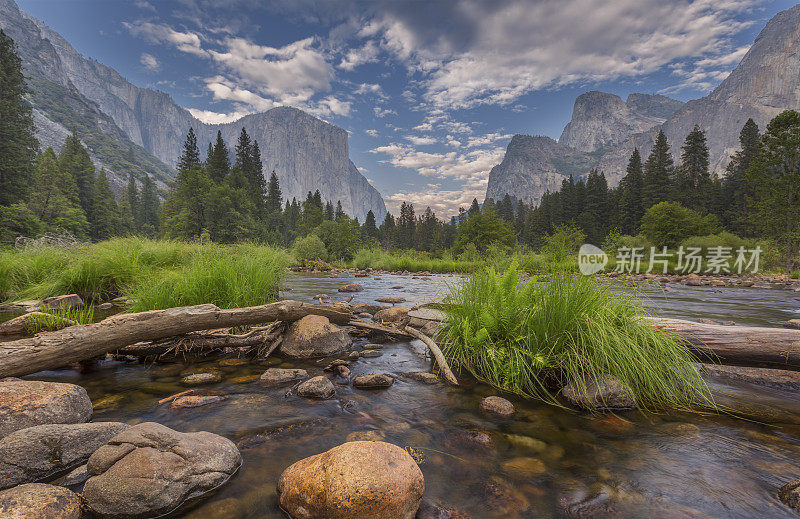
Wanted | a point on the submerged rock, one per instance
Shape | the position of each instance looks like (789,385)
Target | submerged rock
(356,480)
(430,509)
(371,354)
(43,451)
(280,376)
(190,401)
(391,299)
(524,467)
(351,287)
(790,494)
(373,381)
(498,406)
(792,323)
(26,403)
(314,336)
(317,387)
(39,501)
(151,470)
(422,376)
(603,392)
(199,379)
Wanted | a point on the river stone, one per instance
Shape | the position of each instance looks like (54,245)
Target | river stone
(314,336)
(39,501)
(428,314)
(76,476)
(604,392)
(62,302)
(366,308)
(356,480)
(498,406)
(26,403)
(371,354)
(352,287)
(790,494)
(524,467)
(280,376)
(190,401)
(422,376)
(198,379)
(430,509)
(150,470)
(792,323)
(390,315)
(317,387)
(43,451)
(391,299)
(373,381)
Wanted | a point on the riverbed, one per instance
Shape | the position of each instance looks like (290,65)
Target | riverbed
(545,462)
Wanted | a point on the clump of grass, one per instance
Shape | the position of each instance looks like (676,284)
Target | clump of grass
(227,276)
(57,318)
(525,338)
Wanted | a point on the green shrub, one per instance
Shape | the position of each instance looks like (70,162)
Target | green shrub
(666,224)
(309,248)
(565,241)
(522,338)
(723,239)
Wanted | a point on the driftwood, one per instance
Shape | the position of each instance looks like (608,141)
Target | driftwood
(738,345)
(437,354)
(375,327)
(51,350)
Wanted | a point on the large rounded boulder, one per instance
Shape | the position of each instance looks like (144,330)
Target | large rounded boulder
(27,403)
(43,451)
(151,470)
(39,501)
(356,480)
(314,336)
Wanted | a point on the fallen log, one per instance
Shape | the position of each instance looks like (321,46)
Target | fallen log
(51,350)
(206,342)
(737,345)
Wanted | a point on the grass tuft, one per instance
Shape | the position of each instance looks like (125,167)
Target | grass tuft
(529,338)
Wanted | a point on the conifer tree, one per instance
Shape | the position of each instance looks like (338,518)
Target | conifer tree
(328,210)
(106,221)
(218,163)
(274,195)
(248,160)
(18,144)
(735,186)
(149,207)
(339,215)
(369,228)
(631,208)
(406,225)
(693,184)
(132,201)
(190,156)
(659,173)
(74,160)
(388,231)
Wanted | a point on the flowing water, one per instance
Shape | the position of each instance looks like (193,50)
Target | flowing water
(545,462)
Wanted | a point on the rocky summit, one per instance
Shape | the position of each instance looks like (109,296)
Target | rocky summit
(305,152)
(604,130)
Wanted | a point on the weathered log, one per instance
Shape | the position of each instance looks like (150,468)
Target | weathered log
(52,350)
(437,354)
(206,342)
(737,345)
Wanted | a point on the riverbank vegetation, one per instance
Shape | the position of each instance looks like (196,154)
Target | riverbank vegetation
(534,337)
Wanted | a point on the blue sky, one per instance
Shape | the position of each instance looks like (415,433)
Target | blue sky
(430,92)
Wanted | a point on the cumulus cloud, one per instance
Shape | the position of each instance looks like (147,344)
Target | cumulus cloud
(444,202)
(209,117)
(493,52)
(472,166)
(382,112)
(355,57)
(704,74)
(420,141)
(150,62)
(187,42)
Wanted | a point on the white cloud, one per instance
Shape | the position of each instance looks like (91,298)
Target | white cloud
(188,42)
(420,141)
(224,89)
(143,4)
(372,132)
(489,138)
(444,202)
(331,105)
(360,56)
(705,73)
(472,166)
(495,52)
(382,112)
(150,62)
(209,117)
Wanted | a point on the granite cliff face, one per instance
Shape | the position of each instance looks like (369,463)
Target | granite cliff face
(766,82)
(305,152)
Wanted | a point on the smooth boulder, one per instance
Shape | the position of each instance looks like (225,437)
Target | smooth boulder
(602,392)
(43,451)
(317,387)
(497,406)
(27,403)
(390,315)
(351,287)
(356,480)
(150,470)
(39,501)
(314,336)
(62,302)
(280,376)
(373,381)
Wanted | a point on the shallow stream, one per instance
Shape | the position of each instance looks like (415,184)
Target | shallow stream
(546,462)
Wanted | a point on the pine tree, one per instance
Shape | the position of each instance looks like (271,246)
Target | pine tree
(406,225)
(149,207)
(630,207)
(48,201)
(274,195)
(218,164)
(474,208)
(339,211)
(735,186)
(74,160)
(693,184)
(132,201)
(596,207)
(248,160)
(190,156)
(328,210)
(369,228)
(18,144)
(106,222)
(388,232)
(659,173)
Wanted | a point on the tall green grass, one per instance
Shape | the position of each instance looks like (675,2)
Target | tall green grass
(530,338)
(413,261)
(157,274)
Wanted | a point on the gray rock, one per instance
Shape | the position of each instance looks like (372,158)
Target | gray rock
(317,387)
(40,452)
(366,308)
(26,403)
(77,476)
(422,376)
(391,299)
(199,379)
(497,406)
(371,354)
(603,392)
(62,302)
(280,376)
(373,381)
(39,501)
(314,336)
(150,470)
